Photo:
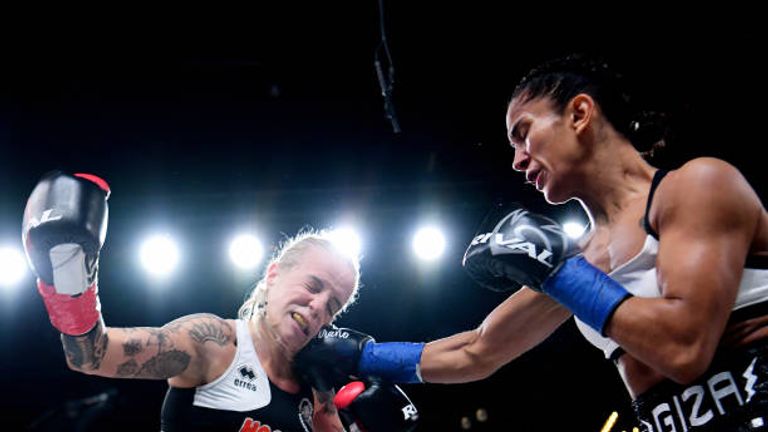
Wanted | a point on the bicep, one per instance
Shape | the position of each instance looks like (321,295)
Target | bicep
(700,268)
(521,322)
(706,219)
(705,234)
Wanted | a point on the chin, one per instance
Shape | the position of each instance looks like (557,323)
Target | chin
(552,196)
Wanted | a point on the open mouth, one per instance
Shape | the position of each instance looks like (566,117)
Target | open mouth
(303,325)
(531,177)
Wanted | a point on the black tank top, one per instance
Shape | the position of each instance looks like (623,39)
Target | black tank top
(286,413)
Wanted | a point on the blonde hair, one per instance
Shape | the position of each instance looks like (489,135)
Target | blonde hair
(290,254)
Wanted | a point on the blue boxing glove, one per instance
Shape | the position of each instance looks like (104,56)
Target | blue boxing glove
(524,248)
(337,354)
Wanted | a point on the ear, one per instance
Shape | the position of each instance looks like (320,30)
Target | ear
(272,271)
(582,110)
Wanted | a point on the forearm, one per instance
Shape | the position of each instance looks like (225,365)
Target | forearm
(140,352)
(453,360)
(523,321)
(85,353)
(326,416)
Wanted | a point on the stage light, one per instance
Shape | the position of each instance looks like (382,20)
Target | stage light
(429,243)
(13,266)
(159,255)
(246,251)
(347,240)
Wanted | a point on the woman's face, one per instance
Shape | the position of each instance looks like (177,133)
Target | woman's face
(306,296)
(545,144)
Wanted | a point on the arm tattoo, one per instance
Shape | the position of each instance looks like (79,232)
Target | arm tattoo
(86,351)
(162,365)
(326,402)
(132,347)
(165,363)
(216,332)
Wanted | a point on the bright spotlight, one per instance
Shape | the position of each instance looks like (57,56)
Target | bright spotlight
(574,229)
(347,240)
(159,255)
(246,251)
(429,243)
(13,266)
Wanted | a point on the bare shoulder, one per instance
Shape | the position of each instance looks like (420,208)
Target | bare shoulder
(204,328)
(212,342)
(708,187)
(705,175)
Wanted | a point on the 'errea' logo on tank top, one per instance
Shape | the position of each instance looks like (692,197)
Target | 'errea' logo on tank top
(245,378)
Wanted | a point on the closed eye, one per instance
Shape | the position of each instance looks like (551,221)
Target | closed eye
(313,288)
(317,285)
(519,133)
(334,306)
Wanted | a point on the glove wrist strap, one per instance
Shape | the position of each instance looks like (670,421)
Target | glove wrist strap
(74,316)
(587,291)
(397,362)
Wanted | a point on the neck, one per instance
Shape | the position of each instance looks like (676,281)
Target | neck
(273,356)
(619,177)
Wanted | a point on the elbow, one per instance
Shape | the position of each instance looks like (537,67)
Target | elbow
(687,363)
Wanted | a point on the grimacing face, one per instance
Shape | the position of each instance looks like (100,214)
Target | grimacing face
(545,145)
(306,296)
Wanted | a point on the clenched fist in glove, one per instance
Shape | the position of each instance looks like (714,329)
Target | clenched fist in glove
(516,247)
(375,406)
(63,230)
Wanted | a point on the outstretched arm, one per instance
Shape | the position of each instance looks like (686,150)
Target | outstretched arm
(520,323)
(523,321)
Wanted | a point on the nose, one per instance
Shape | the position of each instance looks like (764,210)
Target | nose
(521,160)
(318,307)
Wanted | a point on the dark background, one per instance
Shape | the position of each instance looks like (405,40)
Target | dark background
(206,121)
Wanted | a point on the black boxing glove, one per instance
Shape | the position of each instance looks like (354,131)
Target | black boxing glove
(331,357)
(376,406)
(515,247)
(524,248)
(337,354)
(63,230)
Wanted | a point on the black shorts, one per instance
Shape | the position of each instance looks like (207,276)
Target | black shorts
(731,396)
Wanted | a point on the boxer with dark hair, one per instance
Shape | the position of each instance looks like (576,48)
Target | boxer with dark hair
(670,282)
